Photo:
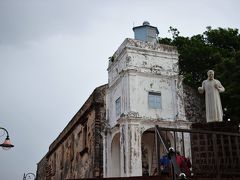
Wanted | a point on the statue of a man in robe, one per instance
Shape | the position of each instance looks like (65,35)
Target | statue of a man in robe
(212,88)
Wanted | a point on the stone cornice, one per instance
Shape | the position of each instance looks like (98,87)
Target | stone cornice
(140,73)
(152,122)
(143,46)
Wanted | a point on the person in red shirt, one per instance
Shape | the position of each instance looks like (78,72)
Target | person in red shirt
(184,164)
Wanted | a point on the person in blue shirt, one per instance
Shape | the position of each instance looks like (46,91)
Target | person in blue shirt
(165,165)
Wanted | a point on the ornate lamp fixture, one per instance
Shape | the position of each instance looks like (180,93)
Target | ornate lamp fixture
(29,176)
(6,145)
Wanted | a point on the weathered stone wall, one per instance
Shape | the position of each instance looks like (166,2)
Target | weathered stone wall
(76,153)
(216,153)
(42,168)
(194,105)
(137,69)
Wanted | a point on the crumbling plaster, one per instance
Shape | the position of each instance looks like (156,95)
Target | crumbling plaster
(131,130)
(136,69)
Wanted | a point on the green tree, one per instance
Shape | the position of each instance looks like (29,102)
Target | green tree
(217,49)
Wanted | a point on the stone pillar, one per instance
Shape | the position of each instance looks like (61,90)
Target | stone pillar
(180,99)
(106,154)
(130,153)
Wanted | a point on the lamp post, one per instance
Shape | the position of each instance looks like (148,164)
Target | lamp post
(6,144)
(29,176)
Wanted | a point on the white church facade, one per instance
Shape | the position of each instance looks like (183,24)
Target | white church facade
(144,90)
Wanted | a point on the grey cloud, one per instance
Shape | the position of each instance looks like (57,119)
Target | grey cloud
(32,20)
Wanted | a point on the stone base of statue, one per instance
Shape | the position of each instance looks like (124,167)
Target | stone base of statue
(228,126)
(215,150)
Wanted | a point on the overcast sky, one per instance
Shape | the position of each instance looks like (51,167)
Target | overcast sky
(54,53)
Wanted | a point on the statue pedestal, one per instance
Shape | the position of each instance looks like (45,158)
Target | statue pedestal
(215,149)
(232,127)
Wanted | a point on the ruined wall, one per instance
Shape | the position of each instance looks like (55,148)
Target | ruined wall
(217,151)
(136,69)
(42,168)
(76,153)
(193,104)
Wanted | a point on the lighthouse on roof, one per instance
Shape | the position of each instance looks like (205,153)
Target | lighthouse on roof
(146,32)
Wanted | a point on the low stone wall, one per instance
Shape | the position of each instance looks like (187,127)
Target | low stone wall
(216,152)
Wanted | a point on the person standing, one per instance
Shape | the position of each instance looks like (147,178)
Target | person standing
(212,87)
(165,165)
(184,164)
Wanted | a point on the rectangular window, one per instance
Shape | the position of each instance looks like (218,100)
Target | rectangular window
(154,100)
(84,142)
(118,106)
(62,157)
(84,139)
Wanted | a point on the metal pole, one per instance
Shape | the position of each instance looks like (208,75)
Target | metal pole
(183,144)
(157,151)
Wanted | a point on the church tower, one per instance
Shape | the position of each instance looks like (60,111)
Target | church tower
(144,90)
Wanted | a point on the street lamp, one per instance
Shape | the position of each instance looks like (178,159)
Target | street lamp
(6,144)
(28,176)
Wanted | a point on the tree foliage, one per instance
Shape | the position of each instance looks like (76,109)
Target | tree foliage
(217,49)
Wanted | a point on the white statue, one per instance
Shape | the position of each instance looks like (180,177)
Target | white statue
(212,87)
